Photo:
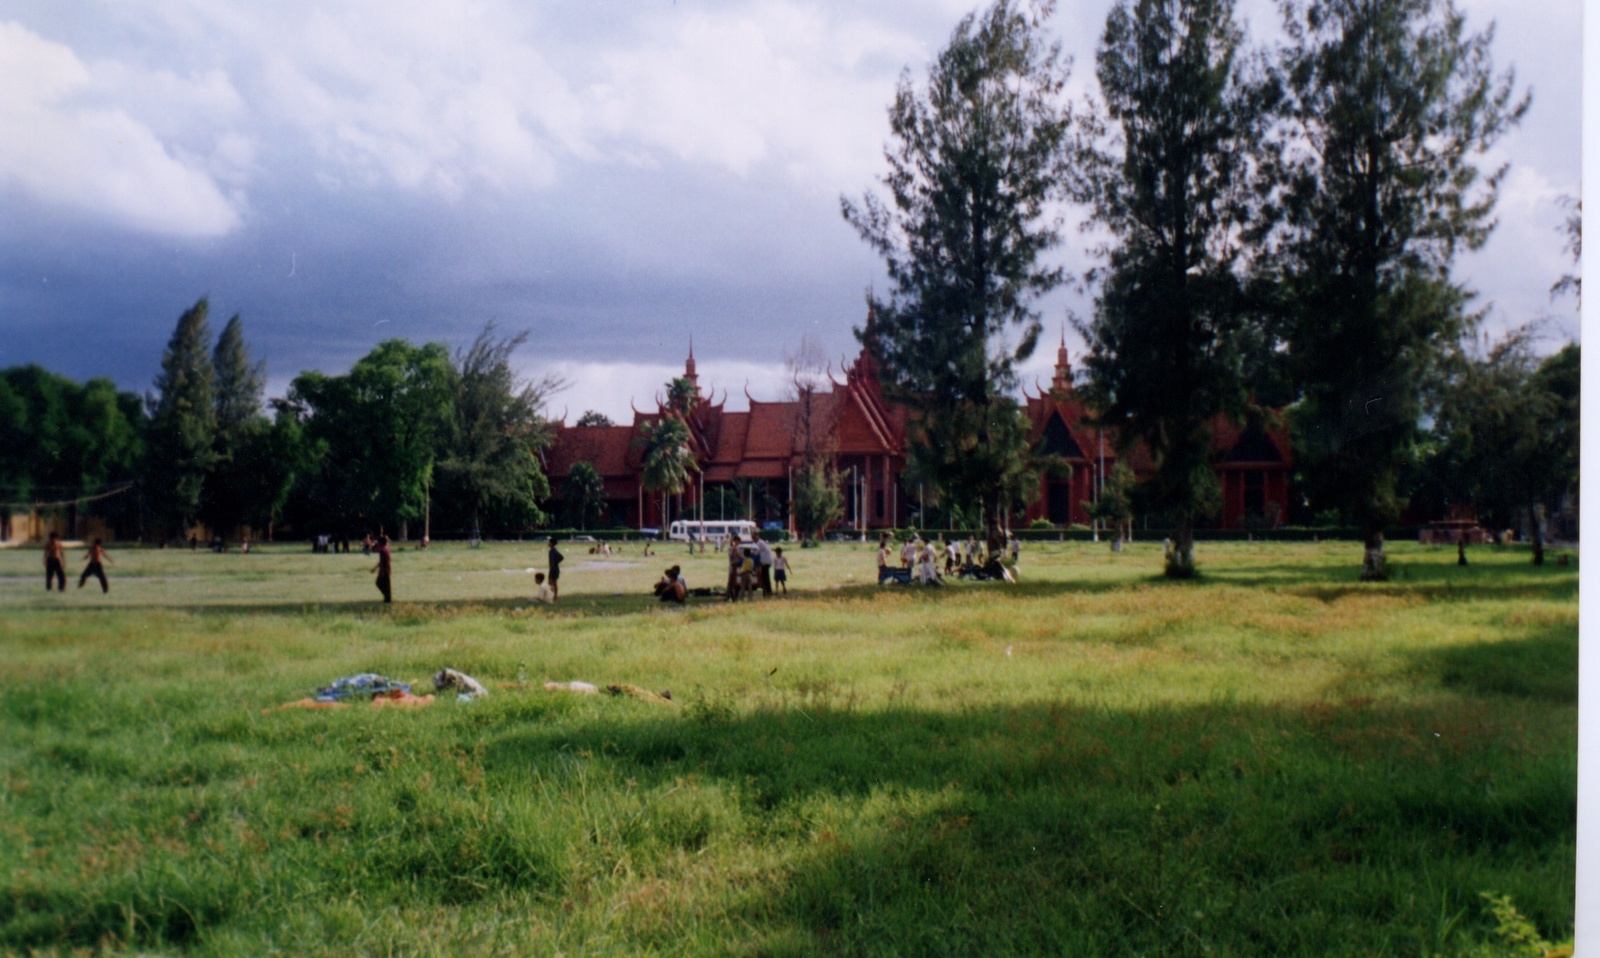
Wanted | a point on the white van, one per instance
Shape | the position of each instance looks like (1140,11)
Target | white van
(712,530)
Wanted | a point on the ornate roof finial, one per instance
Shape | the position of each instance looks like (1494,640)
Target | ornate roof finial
(688,366)
(1061,382)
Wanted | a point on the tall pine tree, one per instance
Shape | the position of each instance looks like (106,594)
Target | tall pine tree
(1170,175)
(237,382)
(977,163)
(1389,106)
(237,490)
(183,422)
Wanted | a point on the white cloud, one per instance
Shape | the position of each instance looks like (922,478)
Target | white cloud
(794,87)
(444,99)
(1524,256)
(63,150)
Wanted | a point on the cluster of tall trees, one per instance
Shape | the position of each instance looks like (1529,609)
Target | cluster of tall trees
(1278,231)
(212,455)
(409,433)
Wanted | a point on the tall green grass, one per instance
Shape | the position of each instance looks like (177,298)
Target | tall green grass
(1273,759)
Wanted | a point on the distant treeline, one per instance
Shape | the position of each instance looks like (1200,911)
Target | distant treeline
(414,430)
(407,427)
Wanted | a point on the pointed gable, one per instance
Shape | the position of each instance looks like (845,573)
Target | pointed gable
(1057,439)
(1254,445)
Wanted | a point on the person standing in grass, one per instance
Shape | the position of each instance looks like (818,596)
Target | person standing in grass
(555,557)
(384,568)
(764,560)
(884,554)
(735,556)
(927,573)
(55,559)
(780,569)
(96,555)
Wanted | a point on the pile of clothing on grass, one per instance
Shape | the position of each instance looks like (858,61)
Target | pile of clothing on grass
(380,691)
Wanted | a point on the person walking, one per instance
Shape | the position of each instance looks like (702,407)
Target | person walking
(555,558)
(96,555)
(384,569)
(55,559)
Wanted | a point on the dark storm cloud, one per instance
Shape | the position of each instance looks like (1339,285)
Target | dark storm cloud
(612,178)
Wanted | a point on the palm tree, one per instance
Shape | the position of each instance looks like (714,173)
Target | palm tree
(668,459)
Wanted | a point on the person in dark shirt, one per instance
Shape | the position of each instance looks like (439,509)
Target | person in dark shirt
(555,568)
(384,568)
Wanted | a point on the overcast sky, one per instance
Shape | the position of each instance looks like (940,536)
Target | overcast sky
(611,177)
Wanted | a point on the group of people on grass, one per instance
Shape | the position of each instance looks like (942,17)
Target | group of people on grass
(753,567)
(920,560)
(55,564)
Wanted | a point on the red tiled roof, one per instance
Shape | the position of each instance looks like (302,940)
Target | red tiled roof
(763,469)
(771,429)
(729,442)
(608,448)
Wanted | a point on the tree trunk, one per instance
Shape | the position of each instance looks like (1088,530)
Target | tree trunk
(1180,560)
(1374,568)
(993,532)
(1536,530)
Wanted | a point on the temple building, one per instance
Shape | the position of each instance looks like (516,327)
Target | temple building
(1252,462)
(749,458)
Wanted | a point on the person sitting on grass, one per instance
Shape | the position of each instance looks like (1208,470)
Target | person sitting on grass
(672,587)
(543,595)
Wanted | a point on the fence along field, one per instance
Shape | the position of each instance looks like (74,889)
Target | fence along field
(1271,760)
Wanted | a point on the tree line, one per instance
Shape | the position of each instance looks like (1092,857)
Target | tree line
(1276,231)
(411,434)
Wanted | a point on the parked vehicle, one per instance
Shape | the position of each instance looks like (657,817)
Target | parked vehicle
(711,530)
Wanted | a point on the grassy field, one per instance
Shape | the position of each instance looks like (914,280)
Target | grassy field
(1271,760)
